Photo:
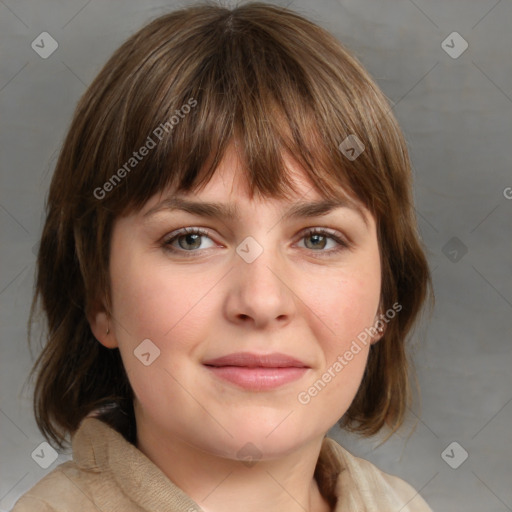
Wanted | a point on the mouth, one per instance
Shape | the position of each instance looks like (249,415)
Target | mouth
(257,372)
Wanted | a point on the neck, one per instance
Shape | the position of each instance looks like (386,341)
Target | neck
(220,484)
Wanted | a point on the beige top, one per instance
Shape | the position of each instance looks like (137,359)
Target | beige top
(109,474)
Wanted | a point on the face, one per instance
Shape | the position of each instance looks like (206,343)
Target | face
(283,304)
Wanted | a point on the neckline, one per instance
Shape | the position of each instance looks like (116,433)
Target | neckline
(97,447)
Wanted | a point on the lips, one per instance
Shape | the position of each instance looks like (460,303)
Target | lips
(246,359)
(257,372)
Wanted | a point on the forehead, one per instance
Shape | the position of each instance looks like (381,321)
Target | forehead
(229,182)
(228,190)
(230,176)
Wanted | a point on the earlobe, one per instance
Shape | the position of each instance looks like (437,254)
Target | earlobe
(100,327)
(380,327)
(377,338)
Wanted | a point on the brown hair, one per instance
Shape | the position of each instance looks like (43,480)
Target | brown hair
(275,83)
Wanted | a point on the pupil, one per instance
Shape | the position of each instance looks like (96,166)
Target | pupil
(192,236)
(317,238)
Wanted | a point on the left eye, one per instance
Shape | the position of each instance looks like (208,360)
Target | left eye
(190,238)
(320,238)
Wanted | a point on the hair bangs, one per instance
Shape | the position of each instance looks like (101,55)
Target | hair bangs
(247,90)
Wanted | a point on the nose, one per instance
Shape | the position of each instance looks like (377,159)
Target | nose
(259,291)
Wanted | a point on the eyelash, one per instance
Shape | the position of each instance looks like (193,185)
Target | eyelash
(343,244)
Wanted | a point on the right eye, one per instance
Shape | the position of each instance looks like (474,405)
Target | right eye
(190,237)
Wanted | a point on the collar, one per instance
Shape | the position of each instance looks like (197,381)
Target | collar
(97,447)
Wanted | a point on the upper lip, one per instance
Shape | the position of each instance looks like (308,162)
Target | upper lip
(247,359)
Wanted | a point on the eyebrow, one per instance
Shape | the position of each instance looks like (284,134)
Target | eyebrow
(230,211)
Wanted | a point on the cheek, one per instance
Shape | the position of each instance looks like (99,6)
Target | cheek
(354,306)
(345,305)
(346,309)
(149,299)
(152,302)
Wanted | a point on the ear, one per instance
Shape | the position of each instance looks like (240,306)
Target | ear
(380,325)
(101,326)
(377,338)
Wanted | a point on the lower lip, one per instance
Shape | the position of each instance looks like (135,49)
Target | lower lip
(258,378)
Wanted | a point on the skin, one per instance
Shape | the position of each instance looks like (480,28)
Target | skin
(290,299)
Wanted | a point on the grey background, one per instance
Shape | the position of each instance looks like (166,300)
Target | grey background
(457,117)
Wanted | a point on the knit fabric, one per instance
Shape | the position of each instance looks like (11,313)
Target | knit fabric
(109,474)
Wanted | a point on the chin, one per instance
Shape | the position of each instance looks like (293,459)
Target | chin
(269,439)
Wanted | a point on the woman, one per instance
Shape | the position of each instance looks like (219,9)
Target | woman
(229,266)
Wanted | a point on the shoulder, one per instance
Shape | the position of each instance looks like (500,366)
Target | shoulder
(406,493)
(64,489)
(376,489)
